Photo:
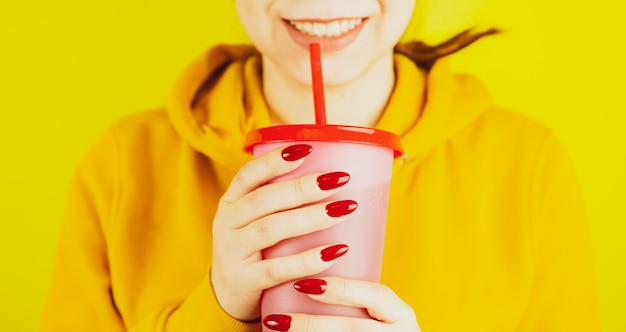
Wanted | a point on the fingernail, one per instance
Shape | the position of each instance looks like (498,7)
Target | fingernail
(332,180)
(341,208)
(277,322)
(310,286)
(296,152)
(334,252)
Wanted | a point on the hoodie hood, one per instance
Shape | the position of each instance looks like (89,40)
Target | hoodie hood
(218,100)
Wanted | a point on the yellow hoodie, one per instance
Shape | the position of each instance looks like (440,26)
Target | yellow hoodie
(486,230)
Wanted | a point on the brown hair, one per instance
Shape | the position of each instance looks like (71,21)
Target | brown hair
(425,56)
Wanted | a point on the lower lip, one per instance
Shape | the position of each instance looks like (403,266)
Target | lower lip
(327,44)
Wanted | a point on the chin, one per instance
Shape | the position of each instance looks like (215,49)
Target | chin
(338,69)
(344,70)
(340,76)
(333,77)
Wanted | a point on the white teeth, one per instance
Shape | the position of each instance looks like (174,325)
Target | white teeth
(319,29)
(307,26)
(331,29)
(345,25)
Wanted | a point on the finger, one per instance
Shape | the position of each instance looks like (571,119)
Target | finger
(314,323)
(286,195)
(379,300)
(276,227)
(271,272)
(265,168)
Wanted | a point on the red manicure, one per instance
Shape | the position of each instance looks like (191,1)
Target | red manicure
(310,286)
(341,208)
(332,180)
(296,152)
(334,252)
(277,322)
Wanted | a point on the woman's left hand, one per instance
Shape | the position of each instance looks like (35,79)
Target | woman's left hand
(388,311)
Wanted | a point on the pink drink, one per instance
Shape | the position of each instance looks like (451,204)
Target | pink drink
(367,155)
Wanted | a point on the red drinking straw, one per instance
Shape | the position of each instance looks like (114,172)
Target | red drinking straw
(318,84)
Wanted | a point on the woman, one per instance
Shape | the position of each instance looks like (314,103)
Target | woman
(168,216)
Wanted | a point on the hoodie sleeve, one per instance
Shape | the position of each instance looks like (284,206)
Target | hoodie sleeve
(564,294)
(80,295)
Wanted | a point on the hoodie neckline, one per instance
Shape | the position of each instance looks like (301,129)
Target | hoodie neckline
(218,99)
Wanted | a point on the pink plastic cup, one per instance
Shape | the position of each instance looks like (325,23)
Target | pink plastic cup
(367,155)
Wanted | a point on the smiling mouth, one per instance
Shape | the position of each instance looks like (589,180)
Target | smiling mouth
(335,28)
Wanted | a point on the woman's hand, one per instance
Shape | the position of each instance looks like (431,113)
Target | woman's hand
(253,215)
(390,313)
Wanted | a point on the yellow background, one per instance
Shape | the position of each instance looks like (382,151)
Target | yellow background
(69,68)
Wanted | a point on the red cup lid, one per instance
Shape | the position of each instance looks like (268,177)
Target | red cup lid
(324,133)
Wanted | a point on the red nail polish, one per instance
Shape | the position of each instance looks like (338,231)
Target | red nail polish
(277,322)
(341,208)
(310,286)
(332,180)
(296,152)
(334,252)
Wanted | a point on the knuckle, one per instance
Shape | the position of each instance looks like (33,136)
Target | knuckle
(384,295)
(270,161)
(244,178)
(349,326)
(311,324)
(340,288)
(273,273)
(310,265)
(384,292)
(257,199)
(353,327)
(264,227)
(235,244)
(299,187)
(223,202)
(311,215)
(228,198)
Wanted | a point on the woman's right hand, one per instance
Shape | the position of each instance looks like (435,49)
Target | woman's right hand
(253,215)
